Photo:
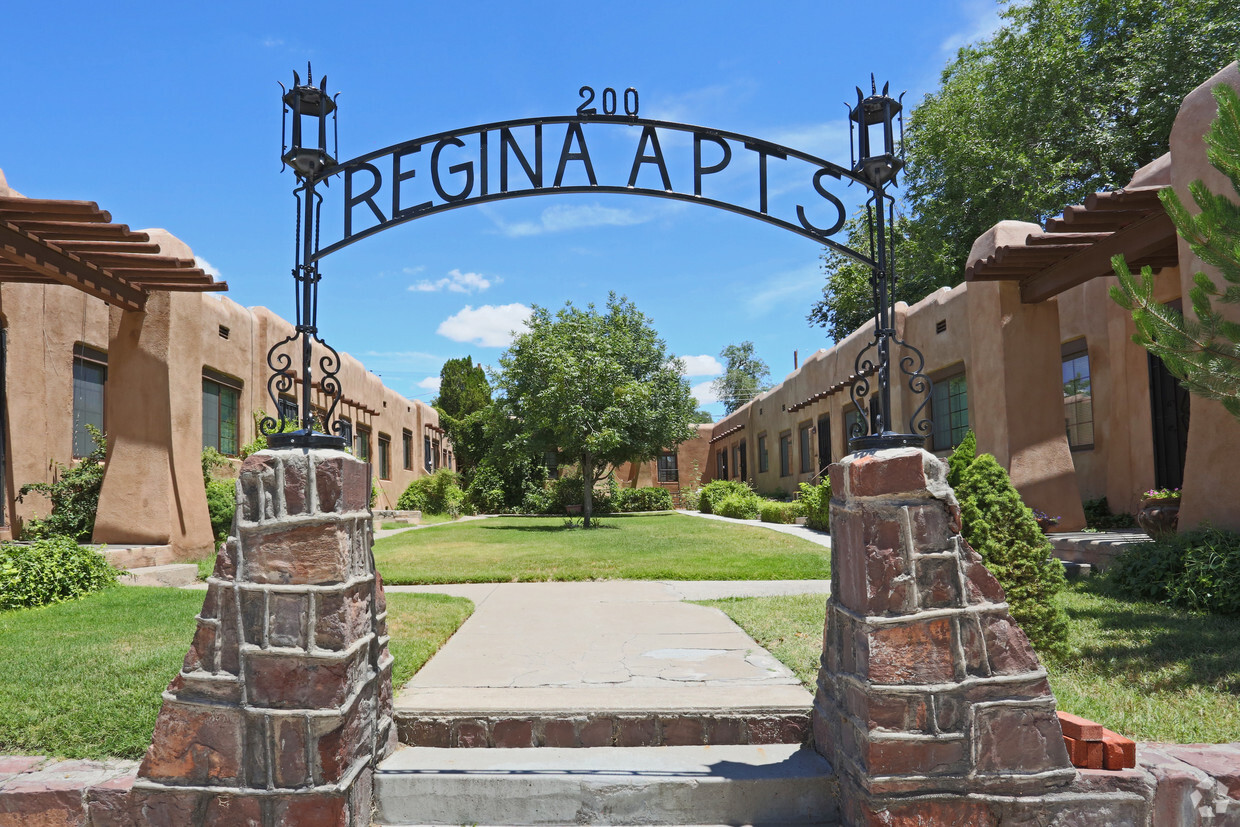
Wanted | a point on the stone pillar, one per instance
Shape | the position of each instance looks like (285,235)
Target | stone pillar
(284,703)
(931,704)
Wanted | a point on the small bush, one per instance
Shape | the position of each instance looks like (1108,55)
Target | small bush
(1098,516)
(221,505)
(643,499)
(435,493)
(770,511)
(714,492)
(50,571)
(739,506)
(570,490)
(691,500)
(816,501)
(485,492)
(1198,570)
(74,494)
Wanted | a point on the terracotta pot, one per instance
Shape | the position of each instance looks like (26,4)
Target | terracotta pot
(1159,517)
(1046,523)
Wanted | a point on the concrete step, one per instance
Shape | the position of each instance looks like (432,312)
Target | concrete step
(135,557)
(175,575)
(775,784)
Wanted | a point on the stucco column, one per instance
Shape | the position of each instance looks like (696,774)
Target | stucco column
(1016,394)
(152,488)
(1213,434)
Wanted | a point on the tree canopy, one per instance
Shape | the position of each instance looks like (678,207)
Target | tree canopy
(464,396)
(1068,97)
(599,388)
(744,376)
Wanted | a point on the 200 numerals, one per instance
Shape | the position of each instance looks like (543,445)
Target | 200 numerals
(609,101)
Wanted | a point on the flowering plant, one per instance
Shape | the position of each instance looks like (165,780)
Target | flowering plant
(1043,517)
(1162,494)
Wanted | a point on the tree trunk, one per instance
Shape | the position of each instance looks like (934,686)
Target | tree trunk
(587,487)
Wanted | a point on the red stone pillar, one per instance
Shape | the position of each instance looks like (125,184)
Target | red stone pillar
(931,704)
(284,703)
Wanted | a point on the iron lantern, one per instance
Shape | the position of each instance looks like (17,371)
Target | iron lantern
(307,102)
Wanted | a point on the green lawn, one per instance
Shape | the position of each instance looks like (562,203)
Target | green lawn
(1146,671)
(638,547)
(425,519)
(83,679)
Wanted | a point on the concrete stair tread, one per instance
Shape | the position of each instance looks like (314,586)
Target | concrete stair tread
(517,701)
(770,784)
(171,574)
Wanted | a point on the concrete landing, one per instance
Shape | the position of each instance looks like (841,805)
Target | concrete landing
(610,663)
(778,784)
(174,575)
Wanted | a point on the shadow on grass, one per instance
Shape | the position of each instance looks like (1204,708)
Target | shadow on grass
(545,529)
(1189,650)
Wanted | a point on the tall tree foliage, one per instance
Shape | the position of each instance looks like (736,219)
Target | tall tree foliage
(599,388)
(1204,354)
(744,376)
(1068,97)
(464,397)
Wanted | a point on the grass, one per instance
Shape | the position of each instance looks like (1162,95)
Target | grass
(83,679)
(632,547)
(426,519)
(1146,671)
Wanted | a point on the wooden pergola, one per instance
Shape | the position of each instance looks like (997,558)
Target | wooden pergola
(75,243)
(1079,245)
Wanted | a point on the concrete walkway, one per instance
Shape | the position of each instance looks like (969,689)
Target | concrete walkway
(623,647)
(822,538)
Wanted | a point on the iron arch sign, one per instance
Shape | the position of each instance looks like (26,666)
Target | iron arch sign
(552,156)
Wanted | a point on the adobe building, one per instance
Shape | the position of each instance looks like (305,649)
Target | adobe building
(1033,355)
(118,329)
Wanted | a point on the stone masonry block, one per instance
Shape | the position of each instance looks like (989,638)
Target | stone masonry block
(1017,739)
(877,476)
(195,745)
(922,756)
(286,620)
(470,734)
(254,615)
(201,654)
(339,749)
(938,586)
(296,484)
(725,731)
(637,732)
(916,652)
(931,527)
(980,585)
(231,809)
(872,579)
(168,806)
(974,646)
(110,804)
(311,810)
(304,555)
(226,560)
(329,483)
(427,732)
(289,737)
(204,687)
(343,617)
(1007,648)
(283,681)
(941,812)
(257,479)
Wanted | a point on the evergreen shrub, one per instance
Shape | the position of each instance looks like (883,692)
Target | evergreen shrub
(651,498)
(50,570)
(437,493)
(739,506)
(1003,530)
(713,492)
(770,511)
(816,500)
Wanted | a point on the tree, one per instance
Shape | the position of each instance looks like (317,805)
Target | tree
(464,394)
(1203,354)
(701,417)
(744,376)
(1068,97)
(596,387)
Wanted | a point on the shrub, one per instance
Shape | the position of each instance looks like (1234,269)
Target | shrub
(816,501)
(651,498)
(1002,529)
(739,506)
(570,490)
(770,511)
(434,493)
(713,492)
(691,499)
(221,505)
(1198,570)
(74,493)
(1098,516)
(50,570)
(485,492)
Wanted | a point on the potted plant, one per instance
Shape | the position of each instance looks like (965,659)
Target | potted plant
(1045,521)
(1160,511)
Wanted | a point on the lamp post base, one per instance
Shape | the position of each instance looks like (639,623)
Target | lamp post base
(306,439)
(887,439)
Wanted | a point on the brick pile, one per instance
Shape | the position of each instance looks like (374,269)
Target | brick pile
(1092,746)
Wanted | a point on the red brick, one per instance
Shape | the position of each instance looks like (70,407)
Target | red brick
(288,752)
(1088,755)
(559,734)
(636,732)
(194,745)
(280,681)
(295,488)
(513,734)
(150,807)
(917,652)
(929,813)
(794,729)
(37,801)
(426,733)
(234,810)
(15,764)
(311,810)
(920,757)
(339,749)
(599,732)
(1007,648)
(683,732)
(1079,728)
(110,803)
(979,584)
(470,734)
(304,555)
(725,731)
(876,476)
(1120,753)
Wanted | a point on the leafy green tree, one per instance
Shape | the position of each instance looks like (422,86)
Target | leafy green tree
(463,388)
(1204,354)
(701,417)
(596,387)
(744,376)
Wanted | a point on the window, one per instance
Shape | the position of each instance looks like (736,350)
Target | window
(824,443)
(764,461)
(385,457)
(721,457)
(807,456)
(854,425)
(736,460)
(407,437)
(346,430)
(90,377)
(436,461)
(287,407)
(221,398)
(949,411)
(428,458)
(361,444)
(785,453)
(667,467)
(1078,400)
(742,462)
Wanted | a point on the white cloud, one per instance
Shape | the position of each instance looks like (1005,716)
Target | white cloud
(799,285)
(701,365)
(704,393)
(413,271)
(454,282)
(206,267)
(430,383)
(562,218)
(489,325)
(981,21)
(272,42)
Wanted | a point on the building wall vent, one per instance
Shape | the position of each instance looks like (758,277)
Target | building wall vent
(224,332)
(940,326)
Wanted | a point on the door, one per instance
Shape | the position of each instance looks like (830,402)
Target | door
(1169,414)
(824,444)
(743,461)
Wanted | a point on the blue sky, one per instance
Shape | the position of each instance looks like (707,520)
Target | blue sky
(167,115)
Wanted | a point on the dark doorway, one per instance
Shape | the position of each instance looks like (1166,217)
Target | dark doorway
(824,444)
(742,461)
(4,428)
(1169,404)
